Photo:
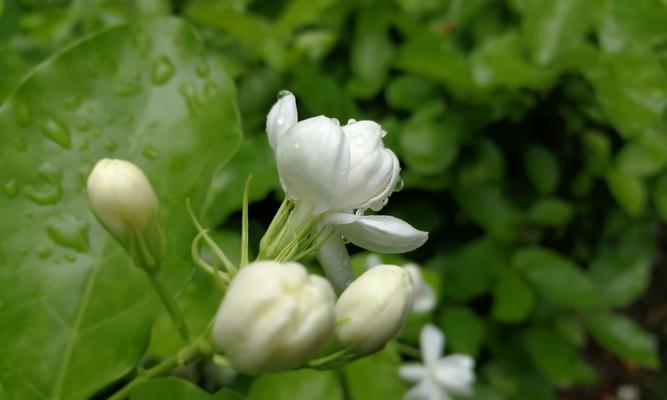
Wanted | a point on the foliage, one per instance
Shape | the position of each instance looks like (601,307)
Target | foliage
(532,134)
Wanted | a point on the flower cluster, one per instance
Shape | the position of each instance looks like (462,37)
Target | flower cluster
(276,314)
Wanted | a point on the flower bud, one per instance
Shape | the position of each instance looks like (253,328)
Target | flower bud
(373,309)
(273,317)
(122,199)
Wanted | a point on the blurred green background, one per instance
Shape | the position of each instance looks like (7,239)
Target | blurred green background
(533,140)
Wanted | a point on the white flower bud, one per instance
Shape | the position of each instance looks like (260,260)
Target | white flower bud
(273,317)
(373,309)
(122,199)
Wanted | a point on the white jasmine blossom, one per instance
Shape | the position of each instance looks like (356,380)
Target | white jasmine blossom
(122,199)
(438,377)
(373,309)
(273,317)
(337,173)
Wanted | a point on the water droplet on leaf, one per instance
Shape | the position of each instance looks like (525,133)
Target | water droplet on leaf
(49,191)
(11,187)
(162,70)
(43,252)
(111,145)
(83,125)
(151,152)
(22,115)
(202,70)
(187,90)
(57,132)
(70,232)
(210,90)
(72,103)
(127,89)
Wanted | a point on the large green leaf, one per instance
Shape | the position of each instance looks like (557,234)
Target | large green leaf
(463,328)
(76,314)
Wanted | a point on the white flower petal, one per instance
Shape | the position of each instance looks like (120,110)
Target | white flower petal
(412,372)
(426,390)
(455,373)
(283,115)
(432,343)
(380,233)
(313,159)
(425,300)
(335,261)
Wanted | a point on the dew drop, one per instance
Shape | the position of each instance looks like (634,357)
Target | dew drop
(351,121)
(187,90)
(202,70)
(57,132)
(110,120)
(49,191)
(127,88)
(210,90)
(151,152)
(111,145)
(72,103)
(162,70)
(20,144)
(83,125)
(141,41)
(22,115)
(43,252)
(69,232)
(283,93)
(399,185)
(10,188)
(71,258)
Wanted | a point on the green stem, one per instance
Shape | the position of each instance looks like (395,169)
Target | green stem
(170,304)
(185,356)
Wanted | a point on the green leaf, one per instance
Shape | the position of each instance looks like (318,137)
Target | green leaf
(487,205)
(375,377)
(550,212)
(629,191)
(513,300)
(622,278)
(632,23)
(556,277)
(428,144)
(556,358)
(468,272)
(659,196)
(542,168)
(371,52)
(625,338)
(641,160)
(76,313)
(409,92)
(631,86)
(304,384)
(225,194)
(553,28)
(499,62)
(177,389)
(463,328)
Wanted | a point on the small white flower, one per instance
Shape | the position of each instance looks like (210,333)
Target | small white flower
(273,317)
(438,377)
(425,300)
(339,172)
(373,309)
(122,199)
